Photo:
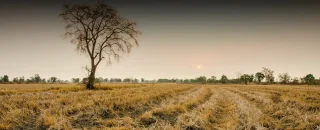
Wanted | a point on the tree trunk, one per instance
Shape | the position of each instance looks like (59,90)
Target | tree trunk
(91,78)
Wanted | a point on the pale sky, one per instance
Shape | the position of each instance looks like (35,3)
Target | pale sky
(176,39)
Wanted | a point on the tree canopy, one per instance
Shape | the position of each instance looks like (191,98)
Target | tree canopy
(100,32)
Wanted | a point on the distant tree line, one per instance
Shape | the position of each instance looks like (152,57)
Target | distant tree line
(100,80)
(36,79)
(265,76)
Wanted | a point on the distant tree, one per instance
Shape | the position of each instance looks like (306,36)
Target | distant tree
(84,80)
(58,81)
(15,80)
(53,79)
(153,81)
(259,76)
(234,81)
(142,80)
(224,79)
(106,80)
(100,32)
(21,80)
(119,80)
(193,81)
(32,80)
(29,81)
(115,80)
(5,79)
(309,79)
(213,79)
(37,78)
(174,80)
(136,80)
(127,80)
(268,73)
(75,80)
(302,80)
(239,74)
(164,81)
(180,80)
(284,78)
(245,78)
(251,78)
(202,79)
(317,81)
(295,80)
(43,80)
(186,81)
(99,80)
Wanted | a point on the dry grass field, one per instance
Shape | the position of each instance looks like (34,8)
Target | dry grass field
(159,106)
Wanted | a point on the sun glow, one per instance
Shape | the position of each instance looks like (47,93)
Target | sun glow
(199,67)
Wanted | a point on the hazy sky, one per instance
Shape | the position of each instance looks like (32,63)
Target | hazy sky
(222,38)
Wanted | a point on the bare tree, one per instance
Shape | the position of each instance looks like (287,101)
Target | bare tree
(100,32)
(284,78)
(268,73)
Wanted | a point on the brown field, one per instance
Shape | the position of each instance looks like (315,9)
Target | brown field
(159,106)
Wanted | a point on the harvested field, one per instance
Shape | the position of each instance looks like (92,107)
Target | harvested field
(159,106)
